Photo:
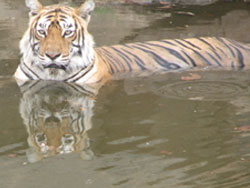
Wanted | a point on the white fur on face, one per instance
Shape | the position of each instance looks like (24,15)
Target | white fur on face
(73,63)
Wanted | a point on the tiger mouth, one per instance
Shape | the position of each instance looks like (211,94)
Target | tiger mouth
(55,66)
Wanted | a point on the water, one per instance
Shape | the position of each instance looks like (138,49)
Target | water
(157,131)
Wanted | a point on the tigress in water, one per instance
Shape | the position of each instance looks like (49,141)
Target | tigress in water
(57,46)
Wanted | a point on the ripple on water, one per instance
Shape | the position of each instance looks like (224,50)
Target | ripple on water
(203,90)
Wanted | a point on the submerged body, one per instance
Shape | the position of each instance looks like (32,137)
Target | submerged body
(175,55)
(57,46)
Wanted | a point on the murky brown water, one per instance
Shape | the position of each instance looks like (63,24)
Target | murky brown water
(158,131)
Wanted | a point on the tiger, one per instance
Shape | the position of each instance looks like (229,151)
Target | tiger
(57,46)
(57,117)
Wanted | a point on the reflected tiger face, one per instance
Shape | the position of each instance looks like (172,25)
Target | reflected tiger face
(57,117)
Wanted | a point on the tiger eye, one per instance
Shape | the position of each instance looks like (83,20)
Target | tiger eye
(68,32)
(42,32)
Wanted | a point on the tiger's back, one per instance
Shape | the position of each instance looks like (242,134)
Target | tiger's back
(176,54)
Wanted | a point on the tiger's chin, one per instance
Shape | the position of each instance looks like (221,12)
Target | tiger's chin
(55,66)
(55,70)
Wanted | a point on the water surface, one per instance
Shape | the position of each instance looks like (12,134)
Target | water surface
(155,131)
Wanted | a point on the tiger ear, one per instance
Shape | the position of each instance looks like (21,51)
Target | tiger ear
(86,9)
(34,6)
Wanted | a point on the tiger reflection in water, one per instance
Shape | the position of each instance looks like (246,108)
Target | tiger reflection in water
(57,117)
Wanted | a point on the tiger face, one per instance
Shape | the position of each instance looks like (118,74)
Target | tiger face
(57,43)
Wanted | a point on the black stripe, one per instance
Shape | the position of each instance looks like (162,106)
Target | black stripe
(31,70)
(90,68)
(160,60)
(80,89)
(76,45)
(74,38)
(195,51)
(208,44)
(109,63)
(62,16)
(143,45)
(240,58)
(124,57)
(183,45)
(239,45)
(138,61)
(76,26)
(201,56)
(171,51)
(232,64)
(75,74)
(26,74)
(36,23)
(191,44)
(202,40)
(50,16)
(56,11)
(30,36)
(79,36)
(99,81)
(110,69)
(36,37)
(50,12)
(111,59)
(34,45)
(63,20)
(27,86)
(221,51)
(128,46)
(192,61)
(210,55)
(223,42)
(79,52)
(81,123)
(168,42)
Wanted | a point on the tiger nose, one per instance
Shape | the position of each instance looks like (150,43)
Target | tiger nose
(52,55)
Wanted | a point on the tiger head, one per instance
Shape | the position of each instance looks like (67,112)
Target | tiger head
(57,43)
(57,116)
